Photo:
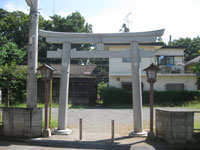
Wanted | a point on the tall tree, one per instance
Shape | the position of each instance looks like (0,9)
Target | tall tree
(9,53)
(12,76)
(14,26)
(192,46)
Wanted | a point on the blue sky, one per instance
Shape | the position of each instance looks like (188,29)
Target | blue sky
(180,18)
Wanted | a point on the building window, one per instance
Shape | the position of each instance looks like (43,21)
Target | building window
(165,60)
(175,87)
(128,86)
(126,60)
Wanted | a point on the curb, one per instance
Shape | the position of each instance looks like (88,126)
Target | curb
(95,145)
(109,146)
(67,144)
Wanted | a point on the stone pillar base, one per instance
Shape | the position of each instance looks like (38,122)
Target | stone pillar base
(62,132)
(46,133)
(138,134)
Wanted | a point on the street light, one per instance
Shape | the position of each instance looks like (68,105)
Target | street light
(151,72)
(47,73)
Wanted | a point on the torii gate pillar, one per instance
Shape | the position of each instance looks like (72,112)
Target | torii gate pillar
(136,89)
(64,90)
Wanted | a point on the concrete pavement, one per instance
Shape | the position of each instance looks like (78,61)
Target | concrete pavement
(98,141)
(97,133)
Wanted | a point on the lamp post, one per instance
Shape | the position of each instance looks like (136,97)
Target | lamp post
(47,73)
(151,72)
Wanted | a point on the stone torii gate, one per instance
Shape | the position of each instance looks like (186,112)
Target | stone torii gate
(134,53)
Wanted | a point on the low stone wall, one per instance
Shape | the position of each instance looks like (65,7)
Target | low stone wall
(175,126)
(22,122)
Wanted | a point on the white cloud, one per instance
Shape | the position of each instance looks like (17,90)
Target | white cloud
(13,7)
(10,6)
(179,18)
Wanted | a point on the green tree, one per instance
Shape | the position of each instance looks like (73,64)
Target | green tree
(192,46)
(9,53)
(12,76)
(13,83)
(14,26)
(196,69)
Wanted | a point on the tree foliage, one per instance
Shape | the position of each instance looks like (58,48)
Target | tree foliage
(192,46)
(9,53)
(196,69)
(12,75)
(13,46)
(14,27)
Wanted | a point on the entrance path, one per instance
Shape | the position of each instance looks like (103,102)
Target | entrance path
(97,131)
(99,120)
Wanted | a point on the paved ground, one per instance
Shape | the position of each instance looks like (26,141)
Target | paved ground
(97,132)
(5,145)
(99,120)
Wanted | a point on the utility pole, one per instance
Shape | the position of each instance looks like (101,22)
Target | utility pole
(31,99)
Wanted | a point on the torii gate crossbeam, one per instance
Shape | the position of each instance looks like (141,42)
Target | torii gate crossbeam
(133,38)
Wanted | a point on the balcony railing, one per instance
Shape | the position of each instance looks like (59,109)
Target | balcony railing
(179,68)
(172,69)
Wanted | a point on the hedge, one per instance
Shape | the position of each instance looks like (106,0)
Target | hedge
(112,95)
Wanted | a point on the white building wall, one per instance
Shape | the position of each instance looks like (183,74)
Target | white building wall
(121,72)
(117,67)
(160,85)
(170,51)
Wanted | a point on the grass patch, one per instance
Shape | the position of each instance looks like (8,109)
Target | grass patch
(71,106)
(52,125)
(197,124)
(119,106)
(23,105)
(193,104)
(41,105)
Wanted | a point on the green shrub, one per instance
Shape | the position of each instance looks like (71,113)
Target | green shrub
(170,98)
(112,96)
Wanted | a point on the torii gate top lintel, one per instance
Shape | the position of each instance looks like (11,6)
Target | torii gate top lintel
(62,37)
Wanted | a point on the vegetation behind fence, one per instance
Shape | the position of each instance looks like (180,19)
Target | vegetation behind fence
(112,95)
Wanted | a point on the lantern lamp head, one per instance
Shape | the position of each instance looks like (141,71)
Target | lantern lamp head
(46,71)
(151,72)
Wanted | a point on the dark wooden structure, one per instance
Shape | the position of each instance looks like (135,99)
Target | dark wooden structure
(82,84)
